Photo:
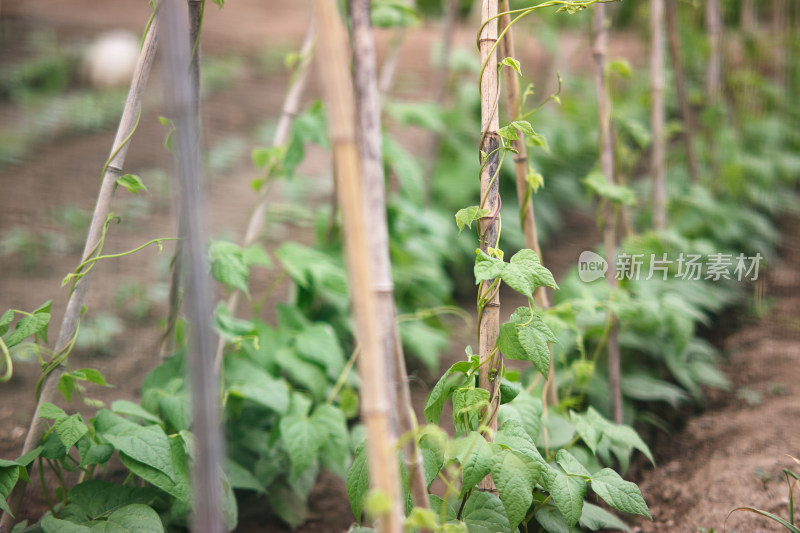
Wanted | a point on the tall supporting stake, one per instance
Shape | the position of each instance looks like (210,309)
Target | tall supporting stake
(112,171)
(181,99)
(376,409)
(714,30)
(600,52)
(673,40)
(369,138)
(526,215)
(658,158)
(489,325)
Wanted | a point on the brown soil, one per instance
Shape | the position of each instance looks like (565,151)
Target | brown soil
(729,456)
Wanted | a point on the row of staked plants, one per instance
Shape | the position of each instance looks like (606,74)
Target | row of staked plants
(290,396)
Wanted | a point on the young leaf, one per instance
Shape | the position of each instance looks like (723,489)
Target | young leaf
(5,321)
(465,217)
(508,132)
(618,493)
(524,126)
(228,266)
(52,412)
(487,267)
(131,182)
(27,326)
(125,407)
(302,441)
(468,401)
(70,430)
(525,273)
(594,518)
(571,465)
(331,425)
(512,435)
(513,63)
(9,475)
(537,139)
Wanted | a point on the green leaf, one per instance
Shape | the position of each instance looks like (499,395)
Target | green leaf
(27,326)
(51,524)
(178,487)
(443,390)
(508,132)
(526,411)
(228,266)
(131,182)
(66,385)
(618,493)
(484,513)
(475,456)
(508,343)
(552,520)
(487,267)
(302,441)
(146,444)
(524,126)
(318,343)
(587,432)
(5,321)
(595,518)
(648,389)
(358,481)
(534,337)
(509,390)
(515,475)
(51,411)
(598,183)
(70,430)
(621,434)
(98,499)
(125,407)
(468,401)
(512,435)
(92,453)
(513,63)
(621,67)
(241,478)
(537,139)
(254,255)
(567,492)
(331,426)
(525,273)
(91,375)
(9,475)
(246,380)
(570,464)
(465,217)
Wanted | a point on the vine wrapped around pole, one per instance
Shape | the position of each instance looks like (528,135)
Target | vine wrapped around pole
(489,313)
(111,171)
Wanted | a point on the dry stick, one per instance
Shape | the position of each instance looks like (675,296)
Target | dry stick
(376,409)
(489,325)
(657,161)
(600,52)
(291,108)
(69,323)
(523,189)
(714,29)
(374,188)
(167,341)
(181,102)
(673,40)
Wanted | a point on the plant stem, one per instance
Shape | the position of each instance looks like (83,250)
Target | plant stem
(658,157)
(673,41)
(600,51)
(113,170)
(376,407)
(489,324)
(523,189)
(181,99)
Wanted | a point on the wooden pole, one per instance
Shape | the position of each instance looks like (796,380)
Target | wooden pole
(527,218)
(658,153)
(600,52)
(714,30)
(69,323)
(673,40)
(489,325)
(376,409)
(368,110)
(182,102)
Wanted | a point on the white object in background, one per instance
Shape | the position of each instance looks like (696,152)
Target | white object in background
(111,59)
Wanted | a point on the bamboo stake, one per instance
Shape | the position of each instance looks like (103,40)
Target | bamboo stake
(375,403)
(600,52)
(747,18)
(181,99)
(714,29)
(657,164)
(526,216)
(290,109)
(369,136)
(69,323)
(489,325)
(673,40)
